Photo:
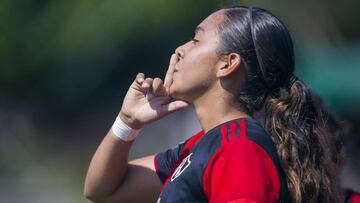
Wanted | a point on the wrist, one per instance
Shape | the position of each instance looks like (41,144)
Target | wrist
(124,132)
(129,121)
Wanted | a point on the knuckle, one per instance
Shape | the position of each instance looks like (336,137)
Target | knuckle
(158,80)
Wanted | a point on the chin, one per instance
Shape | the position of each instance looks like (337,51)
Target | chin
(174,93)
(177,94)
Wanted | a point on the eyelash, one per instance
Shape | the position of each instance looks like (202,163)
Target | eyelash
(194,40)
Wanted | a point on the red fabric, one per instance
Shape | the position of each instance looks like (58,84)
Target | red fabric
(224,132)
(241,171)
(232,130)
(191,142)
(243,201)
(242,129)
(355,198)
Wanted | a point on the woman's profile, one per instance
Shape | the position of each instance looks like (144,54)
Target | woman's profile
(240,61)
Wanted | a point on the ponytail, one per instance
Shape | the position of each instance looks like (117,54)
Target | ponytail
(296,127)
(294,121)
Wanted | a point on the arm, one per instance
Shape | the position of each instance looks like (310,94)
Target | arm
(111,177)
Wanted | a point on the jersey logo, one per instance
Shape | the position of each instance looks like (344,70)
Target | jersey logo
(181,168)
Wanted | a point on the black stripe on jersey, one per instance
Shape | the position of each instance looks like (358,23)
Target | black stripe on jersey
(229,130)
(237,133)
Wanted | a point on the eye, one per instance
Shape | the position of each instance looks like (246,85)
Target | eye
(194,40)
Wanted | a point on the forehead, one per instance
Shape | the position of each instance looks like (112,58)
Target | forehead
(210,24)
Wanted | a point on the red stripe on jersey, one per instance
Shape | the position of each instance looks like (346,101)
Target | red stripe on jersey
(224,132)
(232,130)
(191,142)
(242,129)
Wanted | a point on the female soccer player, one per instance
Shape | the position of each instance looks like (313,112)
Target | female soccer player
(240,61)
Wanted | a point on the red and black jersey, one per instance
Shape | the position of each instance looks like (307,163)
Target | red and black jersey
(235,162)
(351,196)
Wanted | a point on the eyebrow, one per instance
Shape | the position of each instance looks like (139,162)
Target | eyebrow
(198,28)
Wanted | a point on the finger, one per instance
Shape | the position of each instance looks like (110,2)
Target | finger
(158,87)
(140,77)
(169,74)
(175,106)
(157,82)
(147,83)
(138,82)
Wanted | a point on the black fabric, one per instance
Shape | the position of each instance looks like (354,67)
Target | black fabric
(348,193)
(189,186)
(166,160)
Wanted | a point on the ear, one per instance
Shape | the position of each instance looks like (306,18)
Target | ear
(228,65)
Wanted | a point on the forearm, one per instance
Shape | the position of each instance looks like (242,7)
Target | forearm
(146,101)
(108,167)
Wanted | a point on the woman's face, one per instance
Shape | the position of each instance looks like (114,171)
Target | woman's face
(195,70)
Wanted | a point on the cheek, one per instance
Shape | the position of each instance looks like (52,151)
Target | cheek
(192,82)
(197,64)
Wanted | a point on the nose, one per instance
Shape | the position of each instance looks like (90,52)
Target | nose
(180,52)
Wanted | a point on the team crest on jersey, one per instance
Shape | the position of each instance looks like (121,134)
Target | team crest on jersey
(181,168)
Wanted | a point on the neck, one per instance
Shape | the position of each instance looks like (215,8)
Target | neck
(214,108)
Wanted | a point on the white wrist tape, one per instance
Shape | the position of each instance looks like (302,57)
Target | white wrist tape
(123,131)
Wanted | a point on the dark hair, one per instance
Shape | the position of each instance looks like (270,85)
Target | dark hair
(291,117)
(337,130)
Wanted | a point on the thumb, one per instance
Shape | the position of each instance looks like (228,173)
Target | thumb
(175,106)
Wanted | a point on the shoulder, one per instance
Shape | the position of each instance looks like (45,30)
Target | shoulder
(235,133)
(351,196)
(242,160)
(241,139)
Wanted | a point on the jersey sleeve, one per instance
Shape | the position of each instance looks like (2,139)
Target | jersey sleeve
(164,161)
(241,172)
(355,198)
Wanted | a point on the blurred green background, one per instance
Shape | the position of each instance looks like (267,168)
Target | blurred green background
(66,65)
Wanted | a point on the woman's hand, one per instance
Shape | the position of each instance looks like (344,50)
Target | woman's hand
(148,99)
